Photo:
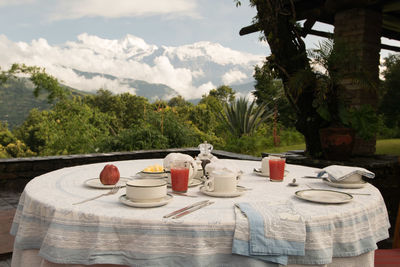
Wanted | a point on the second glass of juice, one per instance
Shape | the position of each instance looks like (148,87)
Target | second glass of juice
(179,176)
(276,168)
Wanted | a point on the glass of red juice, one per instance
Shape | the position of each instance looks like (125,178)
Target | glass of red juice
(276,168)
(179,176)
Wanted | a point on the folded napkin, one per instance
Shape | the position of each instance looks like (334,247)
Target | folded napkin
(338,172)
(268,231)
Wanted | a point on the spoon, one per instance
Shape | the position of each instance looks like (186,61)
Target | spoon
(293,183)
(183,194)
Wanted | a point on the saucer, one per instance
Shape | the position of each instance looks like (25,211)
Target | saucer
(345,185)
(259,173)
(123,199)
(193,183)
(324,196)
(239,191)
(95,183)
(152,175)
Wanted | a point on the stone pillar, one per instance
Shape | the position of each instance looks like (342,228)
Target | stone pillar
(360,29)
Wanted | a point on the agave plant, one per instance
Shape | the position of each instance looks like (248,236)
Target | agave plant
(242,117)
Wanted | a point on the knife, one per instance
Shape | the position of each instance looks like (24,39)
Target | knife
(185,208)
(192,209)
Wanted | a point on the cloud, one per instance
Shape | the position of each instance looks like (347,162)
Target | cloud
(233,76)
(15,2)
(127,58)
(213,52)
(73,9)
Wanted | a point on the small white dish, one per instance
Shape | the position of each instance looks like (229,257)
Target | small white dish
(146,190)
(324,196)
(239,191)
(95,183)
(123,199)
(259,173)
(361,184)
(193,183)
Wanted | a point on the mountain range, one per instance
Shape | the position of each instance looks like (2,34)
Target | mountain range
(131,65)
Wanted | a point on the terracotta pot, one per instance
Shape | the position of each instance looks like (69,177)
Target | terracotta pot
(337,142)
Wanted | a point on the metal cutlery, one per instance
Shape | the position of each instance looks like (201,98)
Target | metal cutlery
(186,208)
(311,177)
(113,191)
(192,209)
(183,194)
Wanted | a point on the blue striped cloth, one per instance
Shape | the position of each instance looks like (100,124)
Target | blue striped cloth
(269,231)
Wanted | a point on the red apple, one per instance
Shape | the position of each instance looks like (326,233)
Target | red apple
(109,175)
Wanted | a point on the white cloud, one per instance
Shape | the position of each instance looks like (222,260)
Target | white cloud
(15,2)
(213,52)
(130,57)
(73,9)
(233,76)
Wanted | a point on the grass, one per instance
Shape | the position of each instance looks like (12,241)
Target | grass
(388,147)
(385,146)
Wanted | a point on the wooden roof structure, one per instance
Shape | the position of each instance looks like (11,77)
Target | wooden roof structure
(324,11)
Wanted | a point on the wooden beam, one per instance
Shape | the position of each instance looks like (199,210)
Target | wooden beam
(249,29)
(307,26)
(254,28)
(390,47)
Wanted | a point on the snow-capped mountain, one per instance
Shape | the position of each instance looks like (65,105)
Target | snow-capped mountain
(126,65)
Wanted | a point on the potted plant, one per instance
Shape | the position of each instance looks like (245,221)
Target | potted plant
(342,123)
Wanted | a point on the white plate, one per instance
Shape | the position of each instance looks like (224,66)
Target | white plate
(193,183)
(95,183)
(259,173)
(345,185)
(154,175)
(239,191)
(123,199)
(324,196)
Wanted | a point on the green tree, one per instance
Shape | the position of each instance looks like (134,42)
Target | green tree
(389,106)
(72,127)
(127,109)
(269,90)
(10,146)
(178,101)
(41,80)
(223,93)
(288,57)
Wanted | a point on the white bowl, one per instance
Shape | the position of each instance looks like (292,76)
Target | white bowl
(146,190)
(352,179)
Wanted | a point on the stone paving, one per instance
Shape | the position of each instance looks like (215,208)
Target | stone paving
(8,204)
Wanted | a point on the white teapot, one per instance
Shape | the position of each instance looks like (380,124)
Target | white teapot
(218,165)
(179,156)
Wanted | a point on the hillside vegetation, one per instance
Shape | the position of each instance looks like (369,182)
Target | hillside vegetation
(16,100)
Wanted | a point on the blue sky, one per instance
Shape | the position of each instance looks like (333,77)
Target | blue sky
(180,22)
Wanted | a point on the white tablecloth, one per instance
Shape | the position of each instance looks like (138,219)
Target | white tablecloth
(105,231)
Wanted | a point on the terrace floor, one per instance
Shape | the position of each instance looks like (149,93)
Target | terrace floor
(8,203)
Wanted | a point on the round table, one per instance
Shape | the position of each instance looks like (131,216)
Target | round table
(50,231)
